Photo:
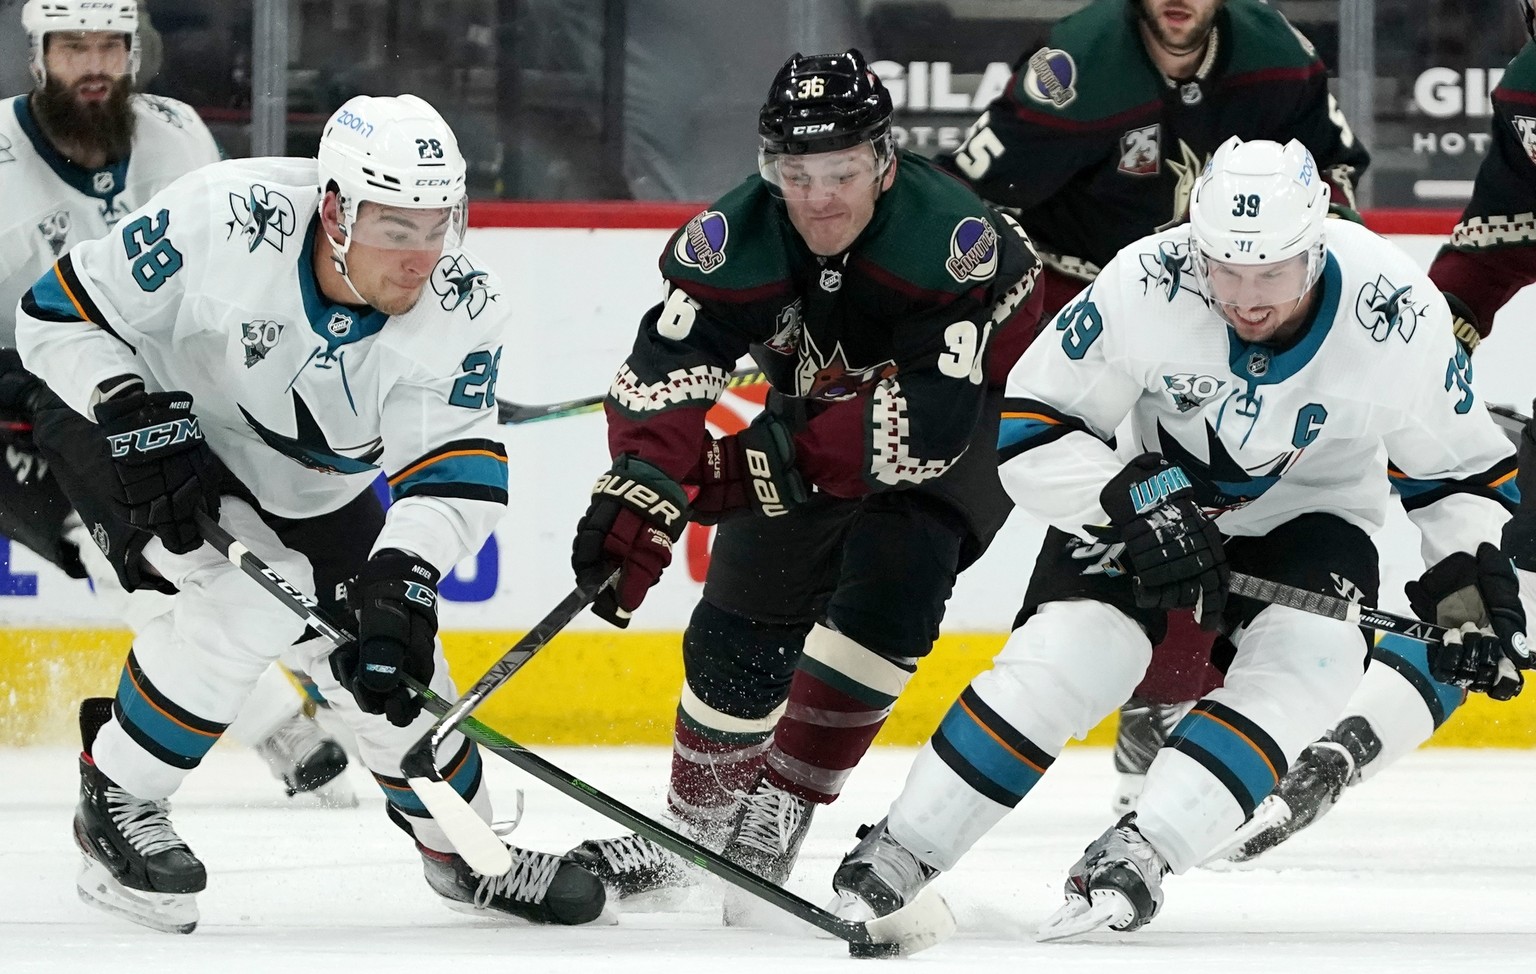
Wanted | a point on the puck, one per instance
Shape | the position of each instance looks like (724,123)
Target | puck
(856,949)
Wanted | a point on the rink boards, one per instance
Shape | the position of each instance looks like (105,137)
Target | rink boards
(579,293)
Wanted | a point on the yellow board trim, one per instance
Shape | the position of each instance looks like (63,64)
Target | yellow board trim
(586,688)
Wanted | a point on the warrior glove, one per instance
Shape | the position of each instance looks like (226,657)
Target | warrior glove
(1478,599)
(636,514)
(166,474)
(1172,551)
(395,600)
(751,472)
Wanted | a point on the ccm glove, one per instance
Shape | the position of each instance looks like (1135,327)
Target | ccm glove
(1172,550)
(751,472)
(166,475)
(395,600)
(636,514)
(1478,599)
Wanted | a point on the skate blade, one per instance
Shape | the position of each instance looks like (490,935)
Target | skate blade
(1271,813)
(165,912)
(925,922)
(1078,917)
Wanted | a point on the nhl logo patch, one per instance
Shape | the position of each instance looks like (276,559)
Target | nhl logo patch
(1048,77)
(1140,152)
(340,324)
(972,251)
(1258,363)
(701,243)
(103,182)
(831,280)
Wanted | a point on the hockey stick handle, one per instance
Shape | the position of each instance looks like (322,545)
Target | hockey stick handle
(299,603)
(1364,616)
(510,413)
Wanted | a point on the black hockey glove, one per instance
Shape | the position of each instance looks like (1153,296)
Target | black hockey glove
(751,472)
(21,394)
(636,514)
(1519,538)
(1478,599)
(1173,552)
(1463,323)
(395,600)
(166,474)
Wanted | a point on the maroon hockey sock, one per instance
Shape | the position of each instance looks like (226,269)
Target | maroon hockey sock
(710,769)
(822,736)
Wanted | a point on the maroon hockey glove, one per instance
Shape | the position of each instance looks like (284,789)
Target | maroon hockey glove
(1478,598)
(636,514)
(166,475)
(751,472)
(1173,552)
(395,600)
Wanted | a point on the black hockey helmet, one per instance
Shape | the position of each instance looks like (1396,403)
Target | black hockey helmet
(823,103)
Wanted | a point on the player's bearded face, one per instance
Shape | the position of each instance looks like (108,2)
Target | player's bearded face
(1179,26)
(831,195)
(393,252)
(1262,302)
(84,102)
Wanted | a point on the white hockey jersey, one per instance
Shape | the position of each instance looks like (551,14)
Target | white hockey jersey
(48,204)
(1265,433)
(210,289)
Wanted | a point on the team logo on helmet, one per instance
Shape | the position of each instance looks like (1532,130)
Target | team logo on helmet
(55,229)
(1140,151)
(460,284)
(262,216)
(1383,307)
(702,242)
(1048,77)
(972,251)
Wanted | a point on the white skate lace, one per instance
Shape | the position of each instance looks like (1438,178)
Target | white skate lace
(144,822)
(528,879)
(631,853)
(771,819)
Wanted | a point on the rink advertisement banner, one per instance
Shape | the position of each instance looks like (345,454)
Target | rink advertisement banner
(581,293)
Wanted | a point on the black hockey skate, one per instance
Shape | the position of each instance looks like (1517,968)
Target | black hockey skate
(879,877)
(1143,730)
(307,761)
(630,865)
(1306,793)
(135,864)
(1118,883)
(539,888)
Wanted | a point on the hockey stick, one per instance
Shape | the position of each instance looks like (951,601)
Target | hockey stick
(1511,421)
(1364,616)
(515,413)
(901,930)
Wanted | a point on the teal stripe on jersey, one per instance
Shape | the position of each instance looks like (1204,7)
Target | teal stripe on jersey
(463,773)
(1410,658)
(164,730)
(1241,764)
(474,470)
(48,297)
(1006,769)
(1011,432)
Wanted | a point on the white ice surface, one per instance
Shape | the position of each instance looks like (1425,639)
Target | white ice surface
(1431,867)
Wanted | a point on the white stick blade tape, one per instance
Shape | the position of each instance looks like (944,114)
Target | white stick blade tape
(471,836)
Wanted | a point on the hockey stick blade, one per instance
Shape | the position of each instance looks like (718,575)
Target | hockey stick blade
(510,413)
(1364,616)
(853,932)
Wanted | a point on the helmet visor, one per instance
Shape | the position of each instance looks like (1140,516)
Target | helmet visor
(824,175)
(1240,288)
(409,228)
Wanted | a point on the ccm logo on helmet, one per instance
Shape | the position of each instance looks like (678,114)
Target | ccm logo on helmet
(638,496)
(813,129)
(434,182)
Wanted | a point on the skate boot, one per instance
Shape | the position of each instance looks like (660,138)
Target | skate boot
(630,865)
(539,888)
(1306,793)
(135,864)
(306,761)
(769,827)
(879,877)
(1144,729)
(1118,883)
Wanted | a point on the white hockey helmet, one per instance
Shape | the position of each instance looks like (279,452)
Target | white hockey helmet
(39,18)
(1260,203)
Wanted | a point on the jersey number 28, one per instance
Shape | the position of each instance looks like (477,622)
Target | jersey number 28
(154,259)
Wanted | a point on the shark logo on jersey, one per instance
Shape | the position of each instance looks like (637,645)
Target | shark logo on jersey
(459,284)
(1168,270)
(55,229)
(1191,391)
(262,216)
(1383,307)
(1048,77)
(787,337)
(831,378)
(1140,151)
(5,150)
(167,114)
(972,251)
(702,242)
(340,324)
(309,446)
(1221,483)
(259,338)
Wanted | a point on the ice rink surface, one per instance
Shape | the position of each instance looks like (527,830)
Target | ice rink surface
(1430,867)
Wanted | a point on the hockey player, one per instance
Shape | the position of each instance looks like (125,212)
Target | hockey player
(256,343)
(1401,703)
(1265,364)
(1097,141)
(884,300)
(75,155)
